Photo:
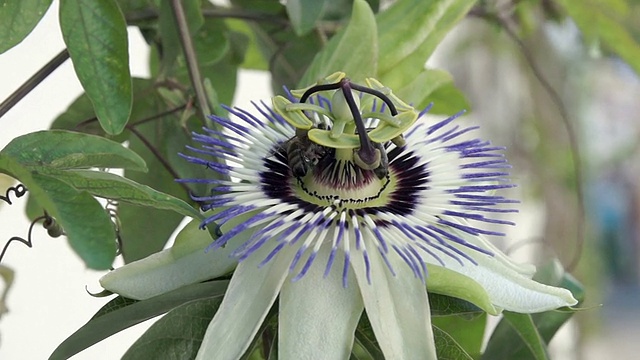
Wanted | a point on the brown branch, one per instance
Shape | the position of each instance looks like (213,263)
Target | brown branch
(158,156)
(574,145)
(33,81)
(191,59)
(143,121)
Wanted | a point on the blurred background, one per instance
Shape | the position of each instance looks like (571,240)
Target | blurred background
(543,98)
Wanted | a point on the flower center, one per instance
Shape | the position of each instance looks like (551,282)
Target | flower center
(338,155)
(343,184)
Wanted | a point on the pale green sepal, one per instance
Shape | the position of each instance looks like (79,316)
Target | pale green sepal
(508,285)
(505,288)
(448,282)
(397,307)
(184,263)
(318,315)
(251,293)
(170,269)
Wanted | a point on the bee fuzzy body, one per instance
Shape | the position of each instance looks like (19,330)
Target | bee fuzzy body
(303,154)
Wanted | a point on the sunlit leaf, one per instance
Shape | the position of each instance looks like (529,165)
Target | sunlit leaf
(409,32)
(210,42)
(437,87)
(304,14)
(604,21)
(353,50)
(253,58)
(95,33)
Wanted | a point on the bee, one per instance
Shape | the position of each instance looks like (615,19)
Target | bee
(302,153)
(383,169)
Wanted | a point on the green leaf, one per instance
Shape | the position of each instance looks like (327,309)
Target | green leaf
(178,335)
(289,56)
(223,75)
(112,186)
(447,348)
(210,41)
(80,117)
(85,223)
(353,50)
(523,324)
(366,339)
(69,150)
(434,86)
(603,21)
(112,322)
(131,6)
(95,33)
(409,32)
(253,58)
(447,100)
(257,346)
(304,14)
(442,305)
(17,20)
(117,303)
(467,331)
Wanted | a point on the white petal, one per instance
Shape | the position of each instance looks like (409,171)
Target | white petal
(397,307)
(251,293)
(508,288)
(318,315)
(185,263)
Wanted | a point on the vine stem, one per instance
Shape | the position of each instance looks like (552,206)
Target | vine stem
(158,156)
(192,61)
(33,81)
(574,145)
(571,135)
